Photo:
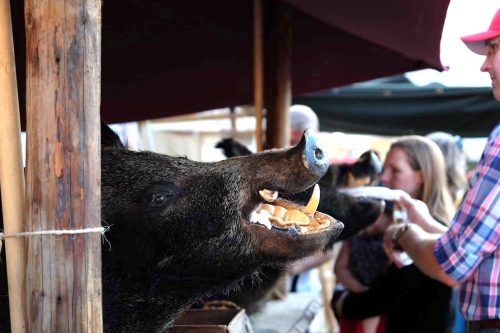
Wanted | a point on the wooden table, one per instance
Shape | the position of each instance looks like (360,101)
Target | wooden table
(292,315)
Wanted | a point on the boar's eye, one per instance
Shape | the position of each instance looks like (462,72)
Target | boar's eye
(159,194)
(159,199)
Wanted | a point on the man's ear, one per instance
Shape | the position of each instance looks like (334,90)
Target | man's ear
(109,138)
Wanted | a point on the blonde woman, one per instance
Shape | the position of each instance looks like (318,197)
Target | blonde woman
(408,299)
(416,165)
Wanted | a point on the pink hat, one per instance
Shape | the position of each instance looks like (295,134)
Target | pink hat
(476,42)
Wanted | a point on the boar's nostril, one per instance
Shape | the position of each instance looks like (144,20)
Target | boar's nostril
(315,156)
(318,153)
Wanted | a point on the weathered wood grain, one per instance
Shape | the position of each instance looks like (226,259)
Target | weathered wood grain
(63,56)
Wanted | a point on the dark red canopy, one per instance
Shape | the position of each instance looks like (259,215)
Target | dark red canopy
(163,58)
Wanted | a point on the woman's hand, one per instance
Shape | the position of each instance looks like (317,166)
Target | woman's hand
(392,246)
(388,244)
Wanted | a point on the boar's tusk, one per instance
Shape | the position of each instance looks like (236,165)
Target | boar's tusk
(313,203)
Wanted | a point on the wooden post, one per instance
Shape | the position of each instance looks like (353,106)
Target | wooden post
(326,280)
(63,77)
(232,119)
(278,77)
(258,65)
(11,172)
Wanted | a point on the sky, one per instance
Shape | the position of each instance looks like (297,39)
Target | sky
(464,17)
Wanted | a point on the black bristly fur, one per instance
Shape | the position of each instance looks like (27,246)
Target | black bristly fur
(178,232)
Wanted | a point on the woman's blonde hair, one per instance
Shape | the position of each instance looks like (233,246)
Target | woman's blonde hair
(425,156)
(456,163)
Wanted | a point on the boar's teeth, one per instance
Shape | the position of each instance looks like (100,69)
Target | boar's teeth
(278,221)
(268,208)
(296,216)
(268,195)
(261,218)
(313,203)
(280,212)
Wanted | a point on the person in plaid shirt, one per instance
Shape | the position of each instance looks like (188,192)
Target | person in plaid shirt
(468,253)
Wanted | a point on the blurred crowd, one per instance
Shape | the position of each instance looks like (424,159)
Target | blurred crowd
(431,261)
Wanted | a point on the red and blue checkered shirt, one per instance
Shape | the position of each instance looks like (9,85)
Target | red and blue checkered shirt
(469,251)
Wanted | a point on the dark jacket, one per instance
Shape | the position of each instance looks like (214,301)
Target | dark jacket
(410,300)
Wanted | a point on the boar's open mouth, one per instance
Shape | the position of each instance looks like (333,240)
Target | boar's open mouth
(283,216)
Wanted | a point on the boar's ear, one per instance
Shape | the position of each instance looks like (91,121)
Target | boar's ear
(109,138)
(232,148)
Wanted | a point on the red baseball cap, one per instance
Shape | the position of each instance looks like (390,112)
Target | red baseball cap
(476,42)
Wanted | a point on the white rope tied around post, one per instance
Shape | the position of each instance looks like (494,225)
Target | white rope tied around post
(101,230)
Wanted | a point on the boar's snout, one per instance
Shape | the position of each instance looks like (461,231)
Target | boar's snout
(314,156)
